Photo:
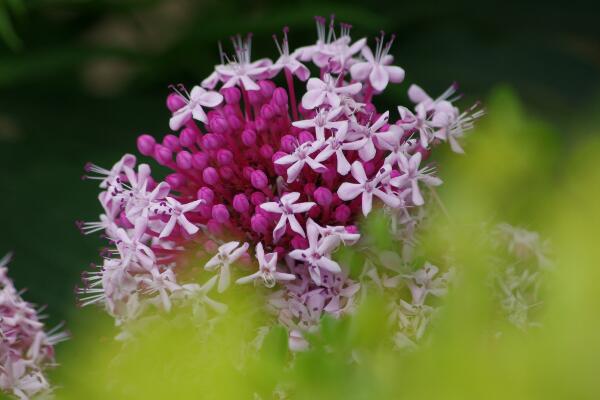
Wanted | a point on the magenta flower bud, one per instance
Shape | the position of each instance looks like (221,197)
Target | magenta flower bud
(267,112)
(218,125)
(241,203)
(175,180)
(211,246)
(298,242)
(247,172)
(235,122)
(210,176)
(259,180)
(309,189)
(184,160)
(199,161)
(260,124)
(220,213)
(145,144)
(175,102)
(266,151)
(206,194)
(280,97)
(254,97)
(266,88)
(248,137)
(342,213)
(224,157)
(305,136)
(214,227)
(370,109)
(226,173)
(259,224)
(314,212)
(172,142)
(162,154)
(257,198)
(187,137)
(205,211)
(352,229)
(210,141)
(323,196)
(232,95)
(288,143)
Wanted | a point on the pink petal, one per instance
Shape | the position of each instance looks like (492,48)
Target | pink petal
(294,170)
(329,265)
(367,203)
(358,172)
(416,94)
(296,227)
(180,117)
(349,191)
(396,73)
(379,78)
(313,99)
(360,71)
(210,99)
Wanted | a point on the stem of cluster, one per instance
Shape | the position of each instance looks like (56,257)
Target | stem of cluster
(293,102)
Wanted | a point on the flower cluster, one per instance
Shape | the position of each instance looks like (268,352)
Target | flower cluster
(262,177)
(410,294)
(518,273)
(25,349)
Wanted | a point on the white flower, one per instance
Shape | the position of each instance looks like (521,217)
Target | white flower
(267,271)
(287,209)
(227,254)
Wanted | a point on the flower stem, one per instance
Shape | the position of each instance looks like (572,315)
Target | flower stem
(290,82)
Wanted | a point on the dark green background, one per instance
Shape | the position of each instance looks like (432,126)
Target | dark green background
(79,80)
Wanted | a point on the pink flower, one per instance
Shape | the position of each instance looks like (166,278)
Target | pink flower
(286,207)
(267,271)
(131,247)
(288,61)
(195,100)
(241,71)
(318,252)
(177,212)
(300,158)
(411,175)
(109,177)
(227,254)
(368,132)
(326,91)
(376,67)
(367,188)
(338,145)
(323,119)
(26,350)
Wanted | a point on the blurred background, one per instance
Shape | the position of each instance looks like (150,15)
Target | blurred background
(80,79)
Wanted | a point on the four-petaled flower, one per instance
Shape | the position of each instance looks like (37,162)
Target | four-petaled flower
(286,207)
(367,187)
(227,254)
(267,269)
